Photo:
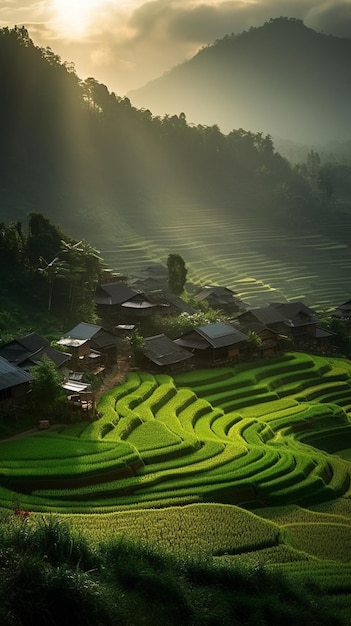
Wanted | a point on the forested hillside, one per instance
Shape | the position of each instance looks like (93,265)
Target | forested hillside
(85,157)
(282,78)
(138,186)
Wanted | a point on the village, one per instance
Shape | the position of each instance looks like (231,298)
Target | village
(105,352)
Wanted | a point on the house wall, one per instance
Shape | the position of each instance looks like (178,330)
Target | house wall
(13,395)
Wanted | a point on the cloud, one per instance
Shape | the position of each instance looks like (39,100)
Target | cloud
(203,22)
(331,18)
(126,44)
(20,12)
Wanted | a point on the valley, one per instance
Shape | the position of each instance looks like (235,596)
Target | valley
(253,255)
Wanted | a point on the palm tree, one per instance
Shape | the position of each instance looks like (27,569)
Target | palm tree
(254,341)
(55,269)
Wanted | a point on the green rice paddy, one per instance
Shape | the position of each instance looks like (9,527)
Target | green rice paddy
(253,255)
(239,462)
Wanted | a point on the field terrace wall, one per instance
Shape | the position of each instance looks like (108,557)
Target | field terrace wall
(227,434)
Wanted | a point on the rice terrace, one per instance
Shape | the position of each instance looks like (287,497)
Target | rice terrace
(247,463)
(255,255)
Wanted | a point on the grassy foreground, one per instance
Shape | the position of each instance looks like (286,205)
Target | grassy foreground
(49,575)
(231,471)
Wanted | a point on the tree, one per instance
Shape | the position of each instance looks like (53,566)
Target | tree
(43,240)
(47,393)
(54,269)
(175,325)
(84,269)
(176,273)
(254,341)
(137,344)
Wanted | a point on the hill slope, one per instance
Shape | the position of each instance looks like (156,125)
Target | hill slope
(282,78)
(139,186)
(85,157)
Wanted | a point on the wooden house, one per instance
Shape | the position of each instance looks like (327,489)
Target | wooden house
(151,278)
(221,299)
(216,343)
(343,312)
(170,304)
(267,316)
(116,303)
(28,350)
(269,341)
(91,346)
(305,332)
(14,384)
(165,353)
(294,321)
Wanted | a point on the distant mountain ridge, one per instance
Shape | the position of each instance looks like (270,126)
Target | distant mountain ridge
(282,78)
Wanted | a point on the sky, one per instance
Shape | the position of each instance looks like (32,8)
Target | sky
(126,43)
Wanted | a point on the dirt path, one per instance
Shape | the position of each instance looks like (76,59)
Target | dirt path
(117,374)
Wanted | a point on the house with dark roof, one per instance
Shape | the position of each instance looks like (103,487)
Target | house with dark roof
(268,316)
(295,321)
(219,342)
(150,278)
(164,352)
(117,303)
(269,343)
(28,350)
(221,299)
(14,384)
(343,312)
(170,304)
(302,320)
(91,346)
(113,294)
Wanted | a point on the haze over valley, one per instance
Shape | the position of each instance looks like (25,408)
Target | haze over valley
(192,163)
(282,78)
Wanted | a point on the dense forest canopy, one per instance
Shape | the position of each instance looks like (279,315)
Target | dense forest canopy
(48,279)
(84,156)
(123,179)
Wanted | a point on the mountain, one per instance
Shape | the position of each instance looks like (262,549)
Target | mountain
(90,161)
(139,186)
(282,78)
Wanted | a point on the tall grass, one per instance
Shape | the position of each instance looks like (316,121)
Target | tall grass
(50,576)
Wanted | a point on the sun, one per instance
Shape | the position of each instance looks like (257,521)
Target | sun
(72,17)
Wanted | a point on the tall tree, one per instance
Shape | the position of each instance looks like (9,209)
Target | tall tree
(47,393)
(177,273)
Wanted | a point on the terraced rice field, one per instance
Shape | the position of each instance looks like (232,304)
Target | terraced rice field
(259,434)
(255,257)
(238,462)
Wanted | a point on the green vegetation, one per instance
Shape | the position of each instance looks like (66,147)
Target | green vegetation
(49,574)
(47,396)
(48,278)
(171,457)
(251,434)
(176,273)
(166,466)
(231,201)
